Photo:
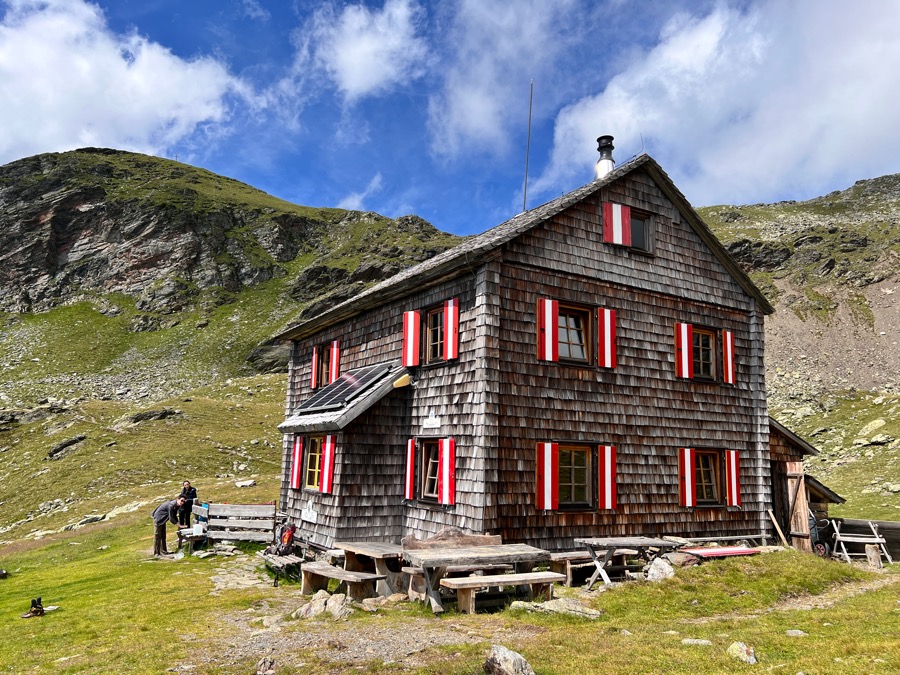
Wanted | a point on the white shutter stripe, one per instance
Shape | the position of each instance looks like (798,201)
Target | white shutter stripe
(547,461)
(618,236)
(687,349)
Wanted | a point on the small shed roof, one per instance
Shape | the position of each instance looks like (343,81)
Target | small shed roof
(804,447)
(475,249)
(338,417)
(819,489)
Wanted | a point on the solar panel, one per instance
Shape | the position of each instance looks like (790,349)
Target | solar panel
(344,389)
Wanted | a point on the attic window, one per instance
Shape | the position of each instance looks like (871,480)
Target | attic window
(640,231)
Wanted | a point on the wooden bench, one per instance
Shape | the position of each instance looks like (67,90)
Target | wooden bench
(866,539)
(566,562)
(280,564)
(541,584)
(360,585)
(237,522)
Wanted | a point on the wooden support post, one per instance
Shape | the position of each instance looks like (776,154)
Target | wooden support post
(778,529)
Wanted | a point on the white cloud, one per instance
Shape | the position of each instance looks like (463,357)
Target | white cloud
(496,48)
(67,81)
(781,100)
(367,52)
(355,201)
(254,10)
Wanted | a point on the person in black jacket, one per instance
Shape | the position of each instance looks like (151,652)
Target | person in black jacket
(189,493)
(167,512)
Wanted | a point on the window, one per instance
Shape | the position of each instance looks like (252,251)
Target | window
(628,227)
(313,463)
(326,364)
(704,353)
(708,482)
(697,353)
(431,470)
(318,462)
(429,474)
(434,335)
(575,475)
(440,326)
(709,477)
(565,333)
(574,333)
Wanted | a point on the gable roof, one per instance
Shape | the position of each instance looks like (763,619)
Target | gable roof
(477,248)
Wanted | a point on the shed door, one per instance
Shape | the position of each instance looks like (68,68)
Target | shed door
(781,504)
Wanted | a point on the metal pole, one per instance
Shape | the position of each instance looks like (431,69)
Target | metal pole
(527,149)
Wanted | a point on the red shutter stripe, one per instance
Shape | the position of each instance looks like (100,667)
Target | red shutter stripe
(547,483)
(297,463)
(451,329)
(410,491)
(314,375)
(687,477)
(607,339)
(326,484)
(446,471)
(548,330)
(684,350)
(728,366)
(335,361)
(412,327)
(616,224)
(732,478)
(607,477)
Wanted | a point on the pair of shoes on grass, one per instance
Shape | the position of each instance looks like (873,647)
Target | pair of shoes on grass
(37,609)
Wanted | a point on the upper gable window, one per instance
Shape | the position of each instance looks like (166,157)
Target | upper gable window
(325,366)
(624,226)
(434,335)
(704,353)
(574,333)
(431,335)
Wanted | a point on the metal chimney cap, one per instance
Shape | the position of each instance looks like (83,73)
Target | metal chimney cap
(605,163)
(605,146)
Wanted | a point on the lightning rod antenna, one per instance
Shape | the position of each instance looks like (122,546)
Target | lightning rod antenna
(527,149)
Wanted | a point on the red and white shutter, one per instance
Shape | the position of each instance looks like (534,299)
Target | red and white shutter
(451,329)
(606,478)
(409,491)
(335,364)
(607,338)
(326,484)
(446,471)
(732,478)
(314,374)
(616,224)
(684,350)
(547,490)
(687,477)
(412,327)
(728,367)
(297,463)
(548,330)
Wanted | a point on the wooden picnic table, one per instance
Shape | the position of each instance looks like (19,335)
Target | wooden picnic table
(380,552)
(601,550)
(435,561)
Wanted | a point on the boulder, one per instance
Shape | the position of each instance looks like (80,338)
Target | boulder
(742,652)
(558,606)
(503,661)
(660,569)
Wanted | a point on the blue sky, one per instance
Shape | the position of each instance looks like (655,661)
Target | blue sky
(399,106)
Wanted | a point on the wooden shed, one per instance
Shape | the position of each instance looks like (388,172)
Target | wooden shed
(592,367)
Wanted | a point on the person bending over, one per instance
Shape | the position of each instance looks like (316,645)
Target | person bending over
(165,512)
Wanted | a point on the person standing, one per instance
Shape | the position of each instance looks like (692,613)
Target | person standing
(190,495)
(165,512)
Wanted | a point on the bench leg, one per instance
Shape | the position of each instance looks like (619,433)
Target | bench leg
(541,591)
(359,590)
(465,600)
(432,586)
(416,590)
(312,582)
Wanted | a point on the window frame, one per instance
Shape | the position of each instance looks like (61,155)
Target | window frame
(425,464)
(698,332)
(314,449)
(716,471)
(586,314)
(323,365)
(590,501)
(434,337)
(646,218)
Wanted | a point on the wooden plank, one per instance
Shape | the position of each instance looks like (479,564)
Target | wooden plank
(242,510)
(239,536)
(332,572)
(503,580)
(504,553)
(242,523)
(200,511)
(778,529)
(373,549)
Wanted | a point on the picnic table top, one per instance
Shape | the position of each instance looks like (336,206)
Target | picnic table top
(625,542)
(471,555)
(373,549)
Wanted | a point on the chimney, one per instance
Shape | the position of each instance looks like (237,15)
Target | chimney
(606,163)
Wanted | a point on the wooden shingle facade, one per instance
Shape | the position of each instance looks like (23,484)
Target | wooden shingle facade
(549,379)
